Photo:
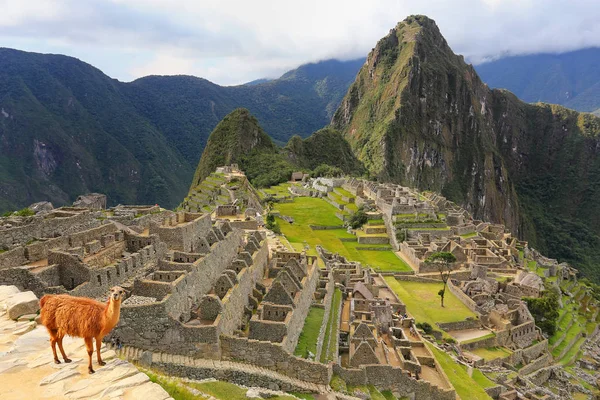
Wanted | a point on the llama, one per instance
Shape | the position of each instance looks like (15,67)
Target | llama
(80,317)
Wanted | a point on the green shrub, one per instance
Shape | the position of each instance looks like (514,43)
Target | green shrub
(358,219)
(25,212)
(400,235)
(426,327)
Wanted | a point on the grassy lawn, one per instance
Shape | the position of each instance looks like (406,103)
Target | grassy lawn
(312,211)
(423,303)
(227,391)
(331,332)
(465,386)
(491,353)
(310,332)
(280,190)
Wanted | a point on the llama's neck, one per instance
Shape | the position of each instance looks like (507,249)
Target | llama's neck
(111,314)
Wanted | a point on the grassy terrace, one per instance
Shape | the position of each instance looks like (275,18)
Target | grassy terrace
(219,390)
(280,190)
(310,332)
(331,332)
(466,387)
(343,192)
(423,303)
(491,353)
(312,211)
(569,336)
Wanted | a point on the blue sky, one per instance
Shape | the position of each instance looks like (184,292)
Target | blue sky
(235,41)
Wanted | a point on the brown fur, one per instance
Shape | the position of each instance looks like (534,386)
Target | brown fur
(80,317)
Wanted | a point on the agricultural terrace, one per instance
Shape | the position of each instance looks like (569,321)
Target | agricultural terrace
(466,387)
(308,211)
(310,333)
(423,303)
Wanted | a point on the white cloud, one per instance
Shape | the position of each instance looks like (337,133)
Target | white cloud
(232,41)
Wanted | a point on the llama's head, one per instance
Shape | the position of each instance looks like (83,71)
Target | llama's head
(117,294)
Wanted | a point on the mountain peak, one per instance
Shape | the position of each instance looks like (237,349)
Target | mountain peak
(237,135)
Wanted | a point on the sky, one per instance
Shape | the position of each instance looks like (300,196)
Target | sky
(235,41)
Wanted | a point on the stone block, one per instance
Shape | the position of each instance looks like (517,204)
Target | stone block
(22,303)
(93,247)
(7,291)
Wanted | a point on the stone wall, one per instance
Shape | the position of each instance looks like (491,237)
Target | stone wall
(540,362)
(385,377)
(489,342)
(182,234)
(327,300)
(237,297)
(373,239)
(48,227)
(81,238)
(273,356)
(301,310)
(157,326)
(249,225)
(462,296)
(460,325)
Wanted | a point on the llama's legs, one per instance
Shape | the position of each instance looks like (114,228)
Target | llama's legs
(62,351)
(53,345)
(89,345)
(98,344)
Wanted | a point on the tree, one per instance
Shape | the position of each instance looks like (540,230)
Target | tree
(358,219)
(443,261)
(544,309)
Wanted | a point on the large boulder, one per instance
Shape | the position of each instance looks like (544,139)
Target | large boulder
(42,206)
(7,291)
(22,303)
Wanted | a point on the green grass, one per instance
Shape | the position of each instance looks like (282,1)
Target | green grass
(491,353)
(304,396)
(569,336)
(331,336)
(570,355)
(338,384)
(465,386)
(312,211)
(343,192)
(423,303)
(388,395)
(482,380)
(375,394)
(280,190)
(227,391)
(310,332)
(489,335)
(174,390)
(469,235)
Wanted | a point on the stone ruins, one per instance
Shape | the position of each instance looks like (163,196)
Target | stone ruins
(212,293)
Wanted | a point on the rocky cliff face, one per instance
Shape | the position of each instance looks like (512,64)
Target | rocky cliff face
(417,114)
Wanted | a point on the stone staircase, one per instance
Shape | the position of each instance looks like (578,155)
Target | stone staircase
(239,373)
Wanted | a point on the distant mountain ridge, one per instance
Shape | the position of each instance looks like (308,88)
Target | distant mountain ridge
(66,128)
(571,79)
